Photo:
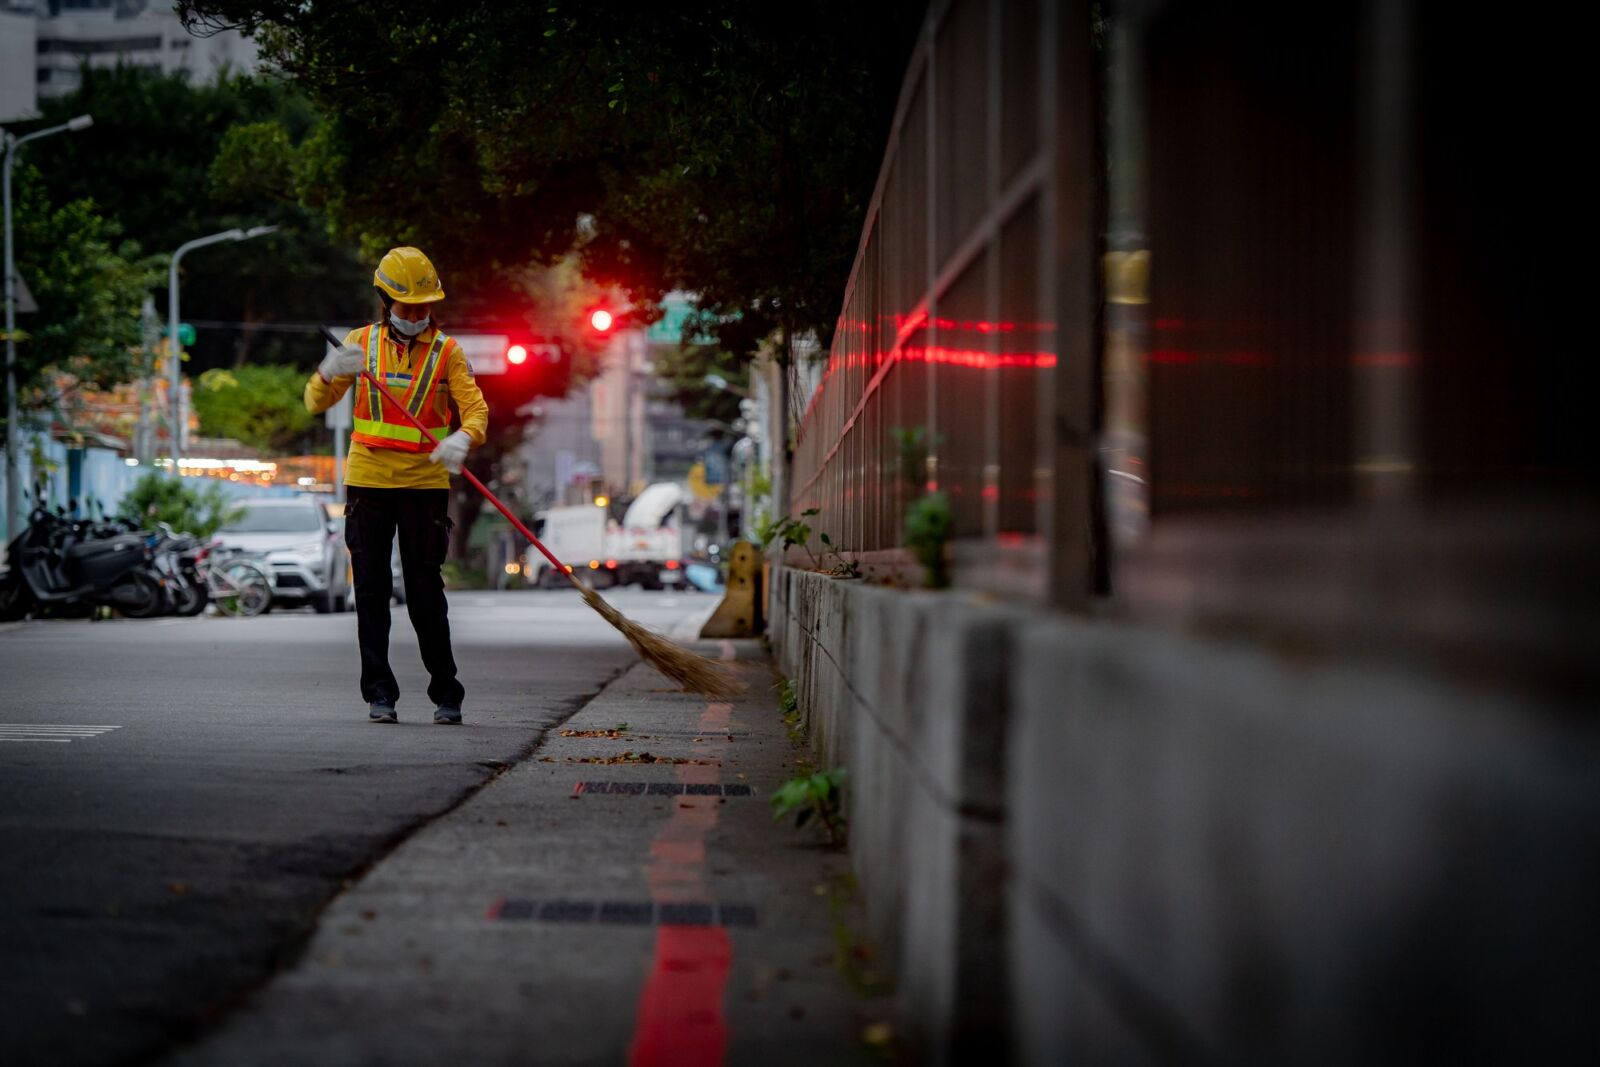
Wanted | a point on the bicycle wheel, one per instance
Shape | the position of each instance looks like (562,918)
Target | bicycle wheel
(240,588)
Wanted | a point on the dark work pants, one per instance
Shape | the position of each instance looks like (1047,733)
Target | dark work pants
(420,518)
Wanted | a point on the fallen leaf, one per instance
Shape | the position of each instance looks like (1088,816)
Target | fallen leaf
(179,888)
(369,915)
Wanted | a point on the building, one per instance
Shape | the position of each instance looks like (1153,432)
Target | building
(560,456)
(19,32)
(45,44)
(644,434)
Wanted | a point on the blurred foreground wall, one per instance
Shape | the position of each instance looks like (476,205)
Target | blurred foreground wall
(1259,726)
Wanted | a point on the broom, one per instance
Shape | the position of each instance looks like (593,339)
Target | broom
(693,672)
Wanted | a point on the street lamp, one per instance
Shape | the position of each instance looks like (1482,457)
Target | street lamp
(13,486)
(176,370)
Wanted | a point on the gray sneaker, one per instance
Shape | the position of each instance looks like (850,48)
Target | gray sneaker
(445,715)
(381,711)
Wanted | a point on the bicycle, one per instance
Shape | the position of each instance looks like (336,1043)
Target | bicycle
(234,583)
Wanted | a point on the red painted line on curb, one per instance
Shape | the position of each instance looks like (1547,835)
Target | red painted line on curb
(680,1020)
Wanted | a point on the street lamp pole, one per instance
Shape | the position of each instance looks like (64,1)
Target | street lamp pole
(175,369)
(13,435)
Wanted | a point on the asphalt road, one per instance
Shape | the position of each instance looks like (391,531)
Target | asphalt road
(156,873)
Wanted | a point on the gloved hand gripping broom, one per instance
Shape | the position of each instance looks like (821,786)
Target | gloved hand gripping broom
(695,673)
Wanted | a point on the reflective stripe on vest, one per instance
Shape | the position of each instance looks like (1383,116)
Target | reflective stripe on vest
(379,431)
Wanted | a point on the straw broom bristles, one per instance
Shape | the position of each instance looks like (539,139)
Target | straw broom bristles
(694,672)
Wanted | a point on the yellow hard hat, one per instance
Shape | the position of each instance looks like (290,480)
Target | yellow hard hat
(408,276)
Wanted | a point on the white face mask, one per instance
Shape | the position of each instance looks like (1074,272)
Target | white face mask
(407,327)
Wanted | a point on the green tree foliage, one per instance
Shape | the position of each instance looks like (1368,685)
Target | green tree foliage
(721,147)
(688,367)
(262,406)
(88,283)
(170,162)
(186,506)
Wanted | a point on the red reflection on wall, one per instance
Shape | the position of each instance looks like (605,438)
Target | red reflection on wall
(979,359)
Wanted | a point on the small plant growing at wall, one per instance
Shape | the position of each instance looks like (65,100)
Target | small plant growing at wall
(792,532)
(817,796)
(788,703)
(842,568)
(911,452)
(928,525)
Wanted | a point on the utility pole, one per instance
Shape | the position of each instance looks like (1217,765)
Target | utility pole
(144,438)
(174,350)
(627,415)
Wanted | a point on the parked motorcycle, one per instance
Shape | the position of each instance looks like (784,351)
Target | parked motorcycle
(72,566)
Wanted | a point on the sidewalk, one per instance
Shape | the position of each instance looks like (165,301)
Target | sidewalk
(577,911)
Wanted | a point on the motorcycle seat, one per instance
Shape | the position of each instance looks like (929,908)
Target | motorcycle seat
(90,549)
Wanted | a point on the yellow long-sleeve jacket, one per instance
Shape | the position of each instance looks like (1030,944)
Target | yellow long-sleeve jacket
(390,468)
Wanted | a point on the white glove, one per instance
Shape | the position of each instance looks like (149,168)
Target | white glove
(452,451)
(343,362)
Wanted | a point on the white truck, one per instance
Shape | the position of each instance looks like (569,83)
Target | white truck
(648,547)
(575,535)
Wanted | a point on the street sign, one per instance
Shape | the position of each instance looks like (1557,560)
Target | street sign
(716,465)
(486,352)
(26,305)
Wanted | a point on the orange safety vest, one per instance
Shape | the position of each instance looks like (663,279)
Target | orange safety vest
(376,423)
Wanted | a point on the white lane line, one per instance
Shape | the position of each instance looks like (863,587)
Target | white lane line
(51,730)
(80,730)
(21,732)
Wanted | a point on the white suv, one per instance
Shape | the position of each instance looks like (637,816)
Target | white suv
(303,550)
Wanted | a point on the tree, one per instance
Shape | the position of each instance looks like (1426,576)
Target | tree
(262,406)
(724,148)
(187,508)
(168,162)
(88,284)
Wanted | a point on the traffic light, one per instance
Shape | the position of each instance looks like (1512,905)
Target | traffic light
(600,320)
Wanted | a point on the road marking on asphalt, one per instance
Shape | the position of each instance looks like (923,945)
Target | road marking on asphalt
(40,732)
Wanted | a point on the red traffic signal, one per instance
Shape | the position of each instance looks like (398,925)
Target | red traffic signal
(516,355)
(601,320)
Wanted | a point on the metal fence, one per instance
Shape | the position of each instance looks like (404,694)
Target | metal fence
(940,373)
(1174,300)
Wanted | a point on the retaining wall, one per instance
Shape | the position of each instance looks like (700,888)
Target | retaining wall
(1094,842)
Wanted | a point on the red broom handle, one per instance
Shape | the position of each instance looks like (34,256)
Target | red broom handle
(470,477)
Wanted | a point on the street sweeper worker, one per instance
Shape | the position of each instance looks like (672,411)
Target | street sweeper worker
(396,482)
